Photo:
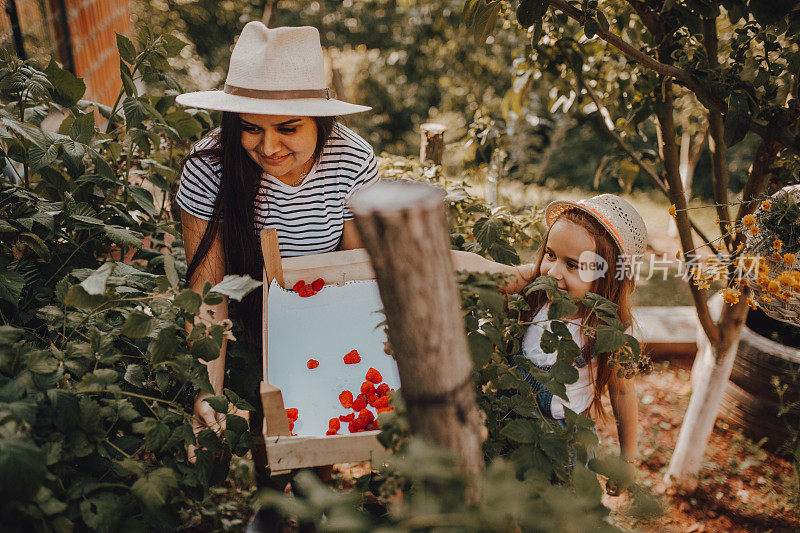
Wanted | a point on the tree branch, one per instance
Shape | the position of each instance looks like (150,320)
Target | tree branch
(681,77)
(669,154)
(719,166)
(600,116)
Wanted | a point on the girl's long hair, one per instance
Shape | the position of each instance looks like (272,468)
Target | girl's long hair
(609,286)
(234,212)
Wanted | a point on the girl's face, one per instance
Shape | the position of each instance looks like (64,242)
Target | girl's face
(281,145)
(565,243)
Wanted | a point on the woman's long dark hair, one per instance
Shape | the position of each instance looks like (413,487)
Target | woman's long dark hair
(234,212)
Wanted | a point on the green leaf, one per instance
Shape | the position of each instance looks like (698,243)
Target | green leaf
(521,430)
(96,283)
(480,348)
(737,119)
(42,362)
(608,339)
(123,236)
(82,129)
(153,489)
(126,49)
(209,440)
(11,285)
(205,348)
(590,29)
(135,111)
(235,286)
(67,88)
(561,307)
(164,346)
(184,123)
(143,199)
(218,403)
(9,334)
(157,436)
(530,12)
(78,297)
(127,80)
(564,372)
(487,231)
(170,271)
(22,468)
(137,325)
(188,300)
(549,342)
(134,374)
(173,45)
(101,512)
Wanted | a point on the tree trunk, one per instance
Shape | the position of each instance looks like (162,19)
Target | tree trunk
(403,227)
(431,145)
(710,375)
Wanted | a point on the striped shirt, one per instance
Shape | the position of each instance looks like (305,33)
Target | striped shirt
(309,218)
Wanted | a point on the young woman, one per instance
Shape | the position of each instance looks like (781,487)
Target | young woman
(279,159)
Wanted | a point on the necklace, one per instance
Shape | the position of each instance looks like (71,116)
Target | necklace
(302,177)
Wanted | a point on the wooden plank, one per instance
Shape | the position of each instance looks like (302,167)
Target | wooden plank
(286,453)
(333,267)
(274,411)
(667,331)
(272,255)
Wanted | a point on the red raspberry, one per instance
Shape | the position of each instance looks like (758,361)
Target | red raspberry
(346,399)
(292,414)
(312,363)
(298,286)
(381,402)
(366,414)
(368,388)
(383,389)
(331,432)
(347,418)
(291,425)
(352,357)
(373,399)
(317,284)
(334,424)
(372,426)
(354,426)
(359,404)
(306,291)
(385,410)
(374,376)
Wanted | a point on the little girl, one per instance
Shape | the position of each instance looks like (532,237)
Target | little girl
(582,238)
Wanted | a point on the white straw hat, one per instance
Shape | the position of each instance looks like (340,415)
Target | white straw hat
(275,71)
(620,218)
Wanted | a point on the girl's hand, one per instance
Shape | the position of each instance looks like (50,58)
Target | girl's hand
(204,417)
(521,277)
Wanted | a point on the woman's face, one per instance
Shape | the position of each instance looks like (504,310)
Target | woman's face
(281,145)
(565,243)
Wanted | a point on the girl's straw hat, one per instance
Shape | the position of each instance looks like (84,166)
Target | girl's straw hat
(275,71)
(619,217)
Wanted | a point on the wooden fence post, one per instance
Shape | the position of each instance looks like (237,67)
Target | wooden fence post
(404,229)
(431,145)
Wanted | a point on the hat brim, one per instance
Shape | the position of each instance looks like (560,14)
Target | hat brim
(557,208)
(305,107)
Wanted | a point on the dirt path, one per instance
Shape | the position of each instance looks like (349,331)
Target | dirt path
(742,487)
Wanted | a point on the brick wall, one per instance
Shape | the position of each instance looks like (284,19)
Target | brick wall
(92,24)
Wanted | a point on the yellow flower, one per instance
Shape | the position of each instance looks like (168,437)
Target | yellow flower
(672,211)
(731,296)
(777,244)
(767,298)
(795,276)
(788,259)
(763,281)
(751,303)
(774,287)
(749,220)
(765,205)
(753,230)
(739,248)
(785,296)
(785,278)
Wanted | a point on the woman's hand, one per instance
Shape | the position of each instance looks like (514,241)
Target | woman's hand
(204,417)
